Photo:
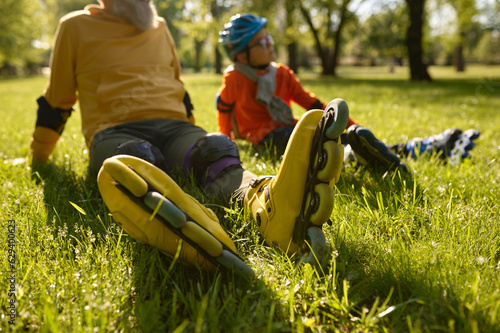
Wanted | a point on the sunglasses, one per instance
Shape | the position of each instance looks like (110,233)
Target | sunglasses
(264,42)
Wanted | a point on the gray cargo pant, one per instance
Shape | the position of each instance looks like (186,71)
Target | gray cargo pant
(173,138)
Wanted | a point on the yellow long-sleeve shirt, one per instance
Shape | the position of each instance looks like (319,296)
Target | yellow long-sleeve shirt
(118,73)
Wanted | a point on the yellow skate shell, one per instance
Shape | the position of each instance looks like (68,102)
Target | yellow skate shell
(276,208)
(140,224)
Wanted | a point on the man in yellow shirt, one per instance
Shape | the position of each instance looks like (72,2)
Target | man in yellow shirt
(118,59)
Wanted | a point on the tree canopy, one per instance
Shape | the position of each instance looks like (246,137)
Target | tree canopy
(307,33)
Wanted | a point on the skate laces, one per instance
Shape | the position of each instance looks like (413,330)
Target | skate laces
(436,143)
(459,151)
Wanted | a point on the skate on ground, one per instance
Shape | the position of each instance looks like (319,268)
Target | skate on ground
(290,208)
(154,210)
(452,145)
(366,149)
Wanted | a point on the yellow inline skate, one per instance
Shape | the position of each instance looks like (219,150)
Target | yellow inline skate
(290,208)
(154,210)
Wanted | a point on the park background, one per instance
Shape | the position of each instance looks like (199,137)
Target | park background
(419,253)
(314,34)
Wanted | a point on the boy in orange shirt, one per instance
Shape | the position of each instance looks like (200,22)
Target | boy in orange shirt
(254,99)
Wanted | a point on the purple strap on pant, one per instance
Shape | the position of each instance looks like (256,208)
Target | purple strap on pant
(214,170)
(187,160)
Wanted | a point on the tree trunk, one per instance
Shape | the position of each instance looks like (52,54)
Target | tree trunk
(459,54)
(198,45)
(216,12)
(328,67)
(291,41)
(418,69)
(329,57)
(292,56)
(322,53)
(338,38)
(218,61)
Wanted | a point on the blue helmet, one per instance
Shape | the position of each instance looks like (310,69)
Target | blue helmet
(239,31)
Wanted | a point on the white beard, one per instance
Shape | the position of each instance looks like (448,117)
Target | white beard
(134,12)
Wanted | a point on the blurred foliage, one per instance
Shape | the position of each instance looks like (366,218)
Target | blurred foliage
(373,36)
(19,30)
(383,34)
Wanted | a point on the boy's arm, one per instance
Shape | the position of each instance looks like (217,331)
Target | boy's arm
(224,112)
(307,99)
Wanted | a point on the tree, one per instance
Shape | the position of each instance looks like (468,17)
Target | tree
(216,10)
(290,34)
(171,11)
(64,7)
(326,22)
(488,43)
(383,33)
(465,11)
(191,20)
(21,24)
(418,70)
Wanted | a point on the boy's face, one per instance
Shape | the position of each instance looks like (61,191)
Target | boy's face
(260,50)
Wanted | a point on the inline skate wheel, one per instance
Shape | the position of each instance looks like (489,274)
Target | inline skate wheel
(167,209)
(340,118)
(232,262)
(321,203)
(202,238)
(328,160)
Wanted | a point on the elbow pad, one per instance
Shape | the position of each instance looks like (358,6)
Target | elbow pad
(49,126)
(49,117)
(221,105)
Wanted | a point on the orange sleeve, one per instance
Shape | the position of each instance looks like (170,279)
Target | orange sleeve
(61,91)
(289,88)
(300,95)
(224,123)
(350,122)
(225,105)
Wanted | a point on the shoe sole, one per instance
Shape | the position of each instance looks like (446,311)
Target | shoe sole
(324,171)
(155,206)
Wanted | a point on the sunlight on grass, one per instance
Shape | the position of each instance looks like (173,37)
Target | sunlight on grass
(408,253)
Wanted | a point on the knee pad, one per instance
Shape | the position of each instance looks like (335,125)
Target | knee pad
(210,155)
(144,150)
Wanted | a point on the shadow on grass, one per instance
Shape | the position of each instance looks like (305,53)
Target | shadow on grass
(454,86)
(71,200)
(417,298)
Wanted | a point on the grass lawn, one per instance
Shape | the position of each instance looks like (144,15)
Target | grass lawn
(407,255)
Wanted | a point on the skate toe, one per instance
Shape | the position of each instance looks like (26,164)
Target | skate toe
(174,222)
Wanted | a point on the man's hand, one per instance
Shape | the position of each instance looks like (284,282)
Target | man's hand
(42,144)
